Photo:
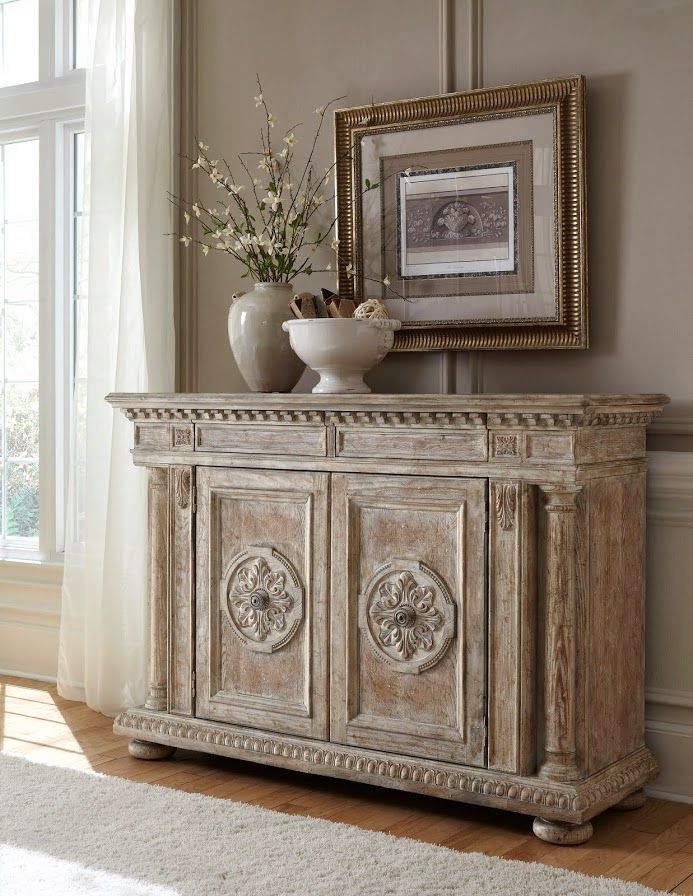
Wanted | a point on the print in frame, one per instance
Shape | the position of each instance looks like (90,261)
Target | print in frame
(474,234)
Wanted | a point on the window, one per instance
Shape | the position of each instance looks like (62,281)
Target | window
(42,46)
(19,41)
(19,336)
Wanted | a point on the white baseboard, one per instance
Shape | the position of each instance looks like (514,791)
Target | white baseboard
(668,795)
(29,619)
(29,676)
(673,747)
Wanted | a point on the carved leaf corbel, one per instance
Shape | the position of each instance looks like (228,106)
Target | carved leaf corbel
(506,505)
(182,482)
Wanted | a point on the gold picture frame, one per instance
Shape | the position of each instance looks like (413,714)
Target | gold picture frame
(369,138)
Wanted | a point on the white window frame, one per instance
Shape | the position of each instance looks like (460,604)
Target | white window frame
(52,109)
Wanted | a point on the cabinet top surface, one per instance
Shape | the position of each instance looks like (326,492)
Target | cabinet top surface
(579,403)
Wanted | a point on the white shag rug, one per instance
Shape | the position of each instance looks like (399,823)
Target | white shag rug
(69,833)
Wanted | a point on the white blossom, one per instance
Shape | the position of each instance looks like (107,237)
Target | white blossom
(273,199)
(205,249)
(386,280)
(186,215)
(270,119)
(258,100)
(407,171)
(290,139)
(186,240)
(203,146)
(215,176)
(335,245)
(196,208)
(349,270)
(234,188)
(320,110)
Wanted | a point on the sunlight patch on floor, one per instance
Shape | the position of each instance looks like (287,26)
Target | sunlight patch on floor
(24,871)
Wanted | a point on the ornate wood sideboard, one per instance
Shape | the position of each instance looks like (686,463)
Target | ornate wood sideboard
(441,594)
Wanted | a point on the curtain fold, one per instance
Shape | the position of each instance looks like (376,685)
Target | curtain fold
(124,343)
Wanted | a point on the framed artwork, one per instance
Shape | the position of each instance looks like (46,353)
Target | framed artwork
(465,215)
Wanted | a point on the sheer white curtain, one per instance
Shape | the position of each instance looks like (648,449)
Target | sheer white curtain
(125,343)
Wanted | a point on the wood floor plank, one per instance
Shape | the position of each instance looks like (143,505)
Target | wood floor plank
(685,888)
(652,845)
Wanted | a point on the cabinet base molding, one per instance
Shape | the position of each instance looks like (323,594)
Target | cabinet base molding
(561,833)
(575,802)
(144,749)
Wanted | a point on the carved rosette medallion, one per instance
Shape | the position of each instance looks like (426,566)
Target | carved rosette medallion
(505,445)
(263,598)
(408,615)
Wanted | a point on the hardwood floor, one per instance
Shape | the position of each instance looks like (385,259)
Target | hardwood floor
(652,845)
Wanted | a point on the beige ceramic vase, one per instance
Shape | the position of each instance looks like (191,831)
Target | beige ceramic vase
(261,348)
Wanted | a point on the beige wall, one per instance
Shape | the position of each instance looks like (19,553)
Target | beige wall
(638,59)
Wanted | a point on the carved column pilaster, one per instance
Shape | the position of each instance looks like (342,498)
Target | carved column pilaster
(158,567)
(560,631)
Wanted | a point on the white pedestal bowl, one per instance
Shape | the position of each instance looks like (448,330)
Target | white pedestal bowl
(341,350)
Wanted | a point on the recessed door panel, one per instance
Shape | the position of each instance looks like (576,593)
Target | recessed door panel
(261,599)
(408,615)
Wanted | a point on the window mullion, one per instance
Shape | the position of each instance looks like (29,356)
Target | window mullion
(47,40)
(49,196)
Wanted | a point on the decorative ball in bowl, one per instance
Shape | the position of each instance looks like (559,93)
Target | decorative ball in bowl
(341,350)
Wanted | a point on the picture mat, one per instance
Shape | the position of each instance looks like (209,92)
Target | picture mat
(466,188)
(539,304)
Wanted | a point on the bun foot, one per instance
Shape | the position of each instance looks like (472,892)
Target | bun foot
(144,749)
(562,833)
(632,801)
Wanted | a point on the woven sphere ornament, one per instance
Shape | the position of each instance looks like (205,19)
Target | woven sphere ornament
(371,308)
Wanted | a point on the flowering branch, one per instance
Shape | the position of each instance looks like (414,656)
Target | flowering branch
(271,232)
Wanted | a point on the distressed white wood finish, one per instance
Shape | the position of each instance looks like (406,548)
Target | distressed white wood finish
(181,618)
(486,572)
(277,523)
(436,708)
(158,571)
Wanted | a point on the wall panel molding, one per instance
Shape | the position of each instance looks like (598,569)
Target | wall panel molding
(460,68)
(30,597)
(669,710)
(186,262)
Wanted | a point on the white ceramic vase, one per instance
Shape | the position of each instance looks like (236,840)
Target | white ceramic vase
(342,350)
(261,348)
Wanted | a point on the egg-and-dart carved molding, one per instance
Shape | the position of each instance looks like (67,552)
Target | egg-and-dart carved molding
(443,779)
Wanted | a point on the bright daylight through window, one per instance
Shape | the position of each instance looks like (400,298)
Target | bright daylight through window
(41,161)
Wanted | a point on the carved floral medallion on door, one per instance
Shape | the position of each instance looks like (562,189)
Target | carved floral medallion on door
(408,614)
(263,598)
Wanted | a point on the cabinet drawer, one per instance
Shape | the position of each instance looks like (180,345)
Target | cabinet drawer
(309,441)
(433,444)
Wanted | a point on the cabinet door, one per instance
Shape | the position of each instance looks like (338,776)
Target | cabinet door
(261,599)
(408,615)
